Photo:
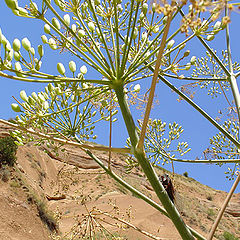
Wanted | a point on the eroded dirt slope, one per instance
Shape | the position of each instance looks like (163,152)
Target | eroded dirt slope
(72,184)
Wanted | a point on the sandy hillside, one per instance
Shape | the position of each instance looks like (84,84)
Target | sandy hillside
(77,192)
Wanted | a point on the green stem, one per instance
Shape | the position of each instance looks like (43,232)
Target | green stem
(127,42)
(214,56)
(200,110)
(194,79)
(232,79)
(147,167)
(103,39)
(117,54)
(136,192)
(64,141)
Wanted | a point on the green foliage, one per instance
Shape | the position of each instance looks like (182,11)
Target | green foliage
(185,174)
(5,174)
(8,150)
(229,236)
(47,217)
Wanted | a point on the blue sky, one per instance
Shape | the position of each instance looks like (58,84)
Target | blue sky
(197,130)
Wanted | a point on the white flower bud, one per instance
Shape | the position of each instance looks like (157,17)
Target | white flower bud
(56,23)
(38,65)
(16,45)
(154,5)
(210,37)
(58,91)
(66,18)
(145,8)
(165,20)
(50,87)
(186,53)
(41,97)
(170,44)
(40,50)
(217,26)
(193,60)
(135,33)
(204,25)
(23,96)
(44,39)
(85,86)
(156,29)
(141,16)
(15,107)
(119,8)
(10,55)
(45,105)
(3,40)
(83,69)
(18,66)
(26,44)
(22,12)
(13,4)
(8,46)
(137,88)
(74,27)
(91,26)
(34,95)
(52,43)
(32,51)
(47,29)
(34,5)
(81,33)
(61,68)
(31,101)
(72,66)
(17,56)
(182,46)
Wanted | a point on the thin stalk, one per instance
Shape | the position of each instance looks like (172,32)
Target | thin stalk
(237,74)
(103,39)
(236,96)
(59,140)
(210,51)
(220,214)
(200,110)
(128,43)
(232,79)
(64,37)
(139,57)
(136,192)
(214,56)
(154,83)
(147,167)
(117,54)
(90,61)
(194,79)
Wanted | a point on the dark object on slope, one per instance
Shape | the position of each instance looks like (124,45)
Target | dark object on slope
(8,150)
(167,184)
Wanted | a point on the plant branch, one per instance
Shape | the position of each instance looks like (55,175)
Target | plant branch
(200,110)
(137,193)
(154,82)
(147,167)
(72,143)
(220,214)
